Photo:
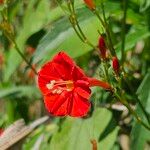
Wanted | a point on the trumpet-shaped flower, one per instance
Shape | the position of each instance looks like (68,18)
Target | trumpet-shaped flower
(65,87)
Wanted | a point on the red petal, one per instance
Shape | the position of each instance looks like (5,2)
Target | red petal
(46,74)
(77,73)
(56,104)
(82,88)
(82,83)
(62,58)
(83,93)
(64,70)
(68,103)
(49,70)
(65,65)
(79,106)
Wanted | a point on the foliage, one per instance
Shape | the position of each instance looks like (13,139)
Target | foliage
(44,26)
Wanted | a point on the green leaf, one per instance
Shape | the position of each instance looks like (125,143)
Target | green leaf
(62,37)
(144,5)
(136,34)
(76,134)
(33,21)
(139,134)
(20,91)
(39,139)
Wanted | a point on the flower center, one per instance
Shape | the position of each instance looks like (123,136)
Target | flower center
(58,86)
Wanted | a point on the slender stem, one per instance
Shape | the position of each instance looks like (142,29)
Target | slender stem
(139,120)
(78,34)
(137,99)
(60,5)
(105,25)
(143,109)
(69,5)
(85,38)
(75,24)
(125,2)
(24,58)
(108,31)
(105,70)
(9,34)
(11,38)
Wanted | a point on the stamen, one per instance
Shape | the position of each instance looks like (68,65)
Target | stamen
(50,85)
(54,91)
(59,91)
(59,86)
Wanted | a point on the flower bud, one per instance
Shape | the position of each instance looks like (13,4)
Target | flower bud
(30,72)
(115,65)
(1,59)
(1,131)
(30,50)
(1,2)
(90,4)
(102,47)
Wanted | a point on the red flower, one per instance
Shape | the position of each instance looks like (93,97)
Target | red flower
(65,87)
(102,47)
(90,4)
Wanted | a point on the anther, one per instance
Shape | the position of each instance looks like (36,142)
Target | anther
(50,85)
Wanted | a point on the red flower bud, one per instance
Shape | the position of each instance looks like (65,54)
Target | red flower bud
(115,65)
(90,4)
(30,50)
(1,59)
(1,2)
(1,131)
(30,72)
(102,47)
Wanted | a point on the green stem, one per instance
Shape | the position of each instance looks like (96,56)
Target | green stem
(139,120)
(9,34)
(108,31)
(11,38)
(83,35)
(105,70)
(24,58)
(125,2)
(143,109)
(137,99)
(78,34)
(105,25)
(75,23)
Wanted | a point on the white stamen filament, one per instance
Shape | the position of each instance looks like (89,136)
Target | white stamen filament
(58,90)
(50,85)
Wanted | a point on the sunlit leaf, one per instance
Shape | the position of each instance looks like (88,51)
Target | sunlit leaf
(77,133)
(139,134)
